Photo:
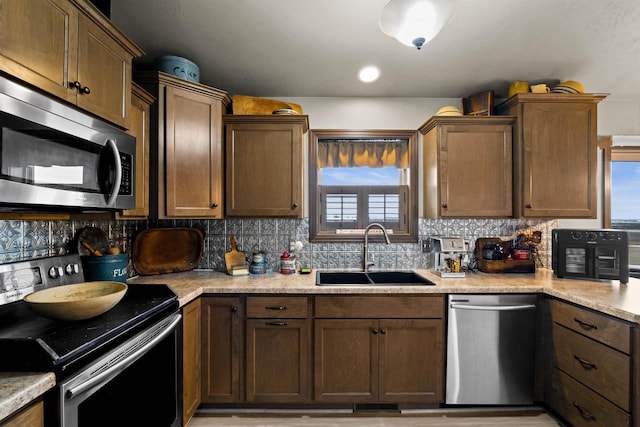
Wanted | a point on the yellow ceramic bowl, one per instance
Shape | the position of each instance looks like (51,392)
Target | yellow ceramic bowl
(569,86)
(449,110)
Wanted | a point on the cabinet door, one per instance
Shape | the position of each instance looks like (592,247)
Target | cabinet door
(104,67)
(346,361)
(221,349)
(31,416)
(191,359)
(411,360)
(475,171)
(193,154)
(37,43)
(277,360)
(264,169)
(559,160)
(139,127)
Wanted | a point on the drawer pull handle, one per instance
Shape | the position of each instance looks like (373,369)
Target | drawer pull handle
(276,323)
(584,363)
(586,415)
(585,325)
(276,307)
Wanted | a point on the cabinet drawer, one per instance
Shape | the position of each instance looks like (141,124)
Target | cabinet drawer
(612,332)
(580,406)
(372,307)
(603,369)
(277,307)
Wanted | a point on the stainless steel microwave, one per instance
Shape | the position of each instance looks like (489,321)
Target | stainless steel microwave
(54,157)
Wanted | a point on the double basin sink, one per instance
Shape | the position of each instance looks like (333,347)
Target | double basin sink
(373,278)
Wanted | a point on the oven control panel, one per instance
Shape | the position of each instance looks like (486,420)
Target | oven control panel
(21,278)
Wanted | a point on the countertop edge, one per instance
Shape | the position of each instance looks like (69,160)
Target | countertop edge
(19,389)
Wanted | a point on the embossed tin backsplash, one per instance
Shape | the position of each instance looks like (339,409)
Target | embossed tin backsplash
(22,240)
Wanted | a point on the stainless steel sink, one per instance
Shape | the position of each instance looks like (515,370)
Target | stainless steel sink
(373,278)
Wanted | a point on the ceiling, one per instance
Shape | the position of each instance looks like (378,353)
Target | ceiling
(314,48)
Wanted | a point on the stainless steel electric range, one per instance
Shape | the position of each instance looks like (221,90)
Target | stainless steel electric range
(120,368)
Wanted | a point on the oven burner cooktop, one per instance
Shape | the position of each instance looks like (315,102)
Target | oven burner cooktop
(31,342)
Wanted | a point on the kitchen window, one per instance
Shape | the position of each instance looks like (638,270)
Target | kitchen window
(360,177)
(622,198)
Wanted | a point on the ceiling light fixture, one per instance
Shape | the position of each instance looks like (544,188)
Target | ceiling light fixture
(369,74)
(416,22)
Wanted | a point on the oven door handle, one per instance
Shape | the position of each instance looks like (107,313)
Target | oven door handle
(124,363)
(118,178)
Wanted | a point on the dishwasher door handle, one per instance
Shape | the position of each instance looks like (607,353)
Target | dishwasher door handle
(493,307)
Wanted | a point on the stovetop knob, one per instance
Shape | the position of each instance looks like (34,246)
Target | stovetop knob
(55,272)
(72,268)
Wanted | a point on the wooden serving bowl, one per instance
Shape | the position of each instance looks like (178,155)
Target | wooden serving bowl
(76,302)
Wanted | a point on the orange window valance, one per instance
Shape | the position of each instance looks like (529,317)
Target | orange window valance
(374,153)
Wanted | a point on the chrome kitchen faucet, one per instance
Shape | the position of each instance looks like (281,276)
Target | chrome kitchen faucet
(365,261)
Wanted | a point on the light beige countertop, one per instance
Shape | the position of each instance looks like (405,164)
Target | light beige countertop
(611,297)
(17,390)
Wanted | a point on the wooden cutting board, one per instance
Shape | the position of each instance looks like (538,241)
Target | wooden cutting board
(167,250)
(234,257)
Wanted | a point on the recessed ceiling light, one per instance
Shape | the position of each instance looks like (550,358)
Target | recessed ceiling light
(369,74)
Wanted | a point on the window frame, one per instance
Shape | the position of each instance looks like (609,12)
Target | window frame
(611,154)
(411,208)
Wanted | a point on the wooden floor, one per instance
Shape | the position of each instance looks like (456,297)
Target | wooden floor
(412,420)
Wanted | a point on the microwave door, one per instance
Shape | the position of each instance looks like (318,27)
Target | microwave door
(110,172)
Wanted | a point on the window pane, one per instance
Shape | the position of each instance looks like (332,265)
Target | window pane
(384,208)
(342,208)
(625,205)
(388,175)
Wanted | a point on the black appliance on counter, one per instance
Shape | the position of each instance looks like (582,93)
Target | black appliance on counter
(117,369)
(54,157)
(591,254)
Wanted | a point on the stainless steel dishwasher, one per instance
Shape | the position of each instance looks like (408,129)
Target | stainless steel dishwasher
(490,349)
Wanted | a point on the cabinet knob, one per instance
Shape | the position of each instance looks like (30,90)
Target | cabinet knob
(444,205)
(528,206)
(383,331)
(295,206)
(375,331)
(234,309)
(215,205)
(77,85)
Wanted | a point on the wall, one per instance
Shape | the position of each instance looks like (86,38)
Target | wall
(20,240)
(32,239)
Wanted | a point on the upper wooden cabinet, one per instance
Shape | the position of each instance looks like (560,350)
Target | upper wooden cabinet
(264,165)
(467,167)
(70,50)
(186,142)
(555,150)
(141,102)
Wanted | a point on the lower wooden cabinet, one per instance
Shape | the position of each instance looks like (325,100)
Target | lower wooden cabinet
(222,349)
(296,349)
(31,416)
(591,367)
(389,359)
(370,360)
(277,364)
(191,359)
